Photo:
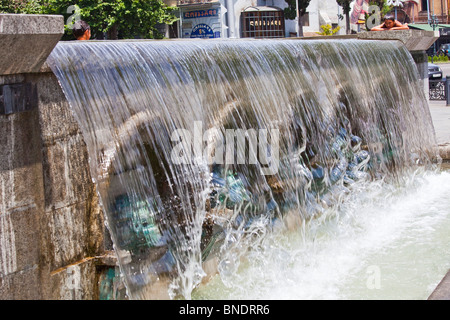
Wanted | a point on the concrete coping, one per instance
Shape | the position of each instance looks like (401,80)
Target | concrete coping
(30,39)
(414,40)
(31,24)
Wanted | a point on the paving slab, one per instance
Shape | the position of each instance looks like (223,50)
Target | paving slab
(440,114)
(442,291)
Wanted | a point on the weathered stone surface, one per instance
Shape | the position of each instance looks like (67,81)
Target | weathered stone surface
(50,218)
(414,40)
(29,39)
(78,281)
(55,111)
(21,202)
(421,60)
(442,291)
(23,224)
(444,151)
(67,229)
(23,285)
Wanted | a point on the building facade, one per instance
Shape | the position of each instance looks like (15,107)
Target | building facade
(265,18)
(427,8)
(249,18)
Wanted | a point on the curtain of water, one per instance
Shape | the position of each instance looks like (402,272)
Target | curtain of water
(312,117)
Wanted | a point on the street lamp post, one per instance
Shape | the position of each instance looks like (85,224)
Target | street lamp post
(298,19)
(433,22)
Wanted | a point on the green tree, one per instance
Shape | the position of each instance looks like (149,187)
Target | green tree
(129,18)
(345,4)
(21,6)
(290,12)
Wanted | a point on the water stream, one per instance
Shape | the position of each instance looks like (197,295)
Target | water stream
(203,151)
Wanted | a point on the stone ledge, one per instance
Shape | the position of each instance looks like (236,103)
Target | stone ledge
(30,39)
(31,24)
(414,40)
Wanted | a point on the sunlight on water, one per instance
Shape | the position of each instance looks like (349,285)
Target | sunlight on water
(338,118)
(382,243)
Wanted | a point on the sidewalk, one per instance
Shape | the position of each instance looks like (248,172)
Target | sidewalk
(442,291)
(440,114)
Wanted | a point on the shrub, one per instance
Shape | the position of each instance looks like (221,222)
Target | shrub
(327,30)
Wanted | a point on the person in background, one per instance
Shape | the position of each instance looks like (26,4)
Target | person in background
(81,30)
(359,7)
(390,24)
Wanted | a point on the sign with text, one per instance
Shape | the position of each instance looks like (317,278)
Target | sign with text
(205,23)
(200,14)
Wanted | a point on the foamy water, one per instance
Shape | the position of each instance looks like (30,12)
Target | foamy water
(383,242)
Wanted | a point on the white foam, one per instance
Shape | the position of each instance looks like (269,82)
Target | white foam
(378,245)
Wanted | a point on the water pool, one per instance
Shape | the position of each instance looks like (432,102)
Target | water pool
(383,242)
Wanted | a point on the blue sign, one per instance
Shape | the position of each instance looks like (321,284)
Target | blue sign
(200,14)
(202,31)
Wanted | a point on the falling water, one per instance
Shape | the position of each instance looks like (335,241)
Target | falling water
(321,120)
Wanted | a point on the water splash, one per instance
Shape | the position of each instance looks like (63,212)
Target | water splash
(402,235)
(344,113)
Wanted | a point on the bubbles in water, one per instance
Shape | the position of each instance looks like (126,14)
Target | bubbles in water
(335,257)
(166,219)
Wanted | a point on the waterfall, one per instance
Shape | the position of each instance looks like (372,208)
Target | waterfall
(199,147)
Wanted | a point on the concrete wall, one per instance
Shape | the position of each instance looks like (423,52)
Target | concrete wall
(52,231)
(53,240)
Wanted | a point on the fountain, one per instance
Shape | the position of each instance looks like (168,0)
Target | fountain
(156,117)
(205,157)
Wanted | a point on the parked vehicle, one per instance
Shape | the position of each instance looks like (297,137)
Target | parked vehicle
(434,72)
(444,49)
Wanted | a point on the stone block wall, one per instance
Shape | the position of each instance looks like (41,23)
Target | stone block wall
(21,203)
(53,239)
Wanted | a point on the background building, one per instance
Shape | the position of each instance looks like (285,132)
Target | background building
(248,18)
(265,18)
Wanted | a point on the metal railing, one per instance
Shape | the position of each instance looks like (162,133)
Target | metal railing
(438,89)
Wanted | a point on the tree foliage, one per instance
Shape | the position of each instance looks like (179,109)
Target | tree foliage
(345,4)
(129,18)
(290,12)
(19,6)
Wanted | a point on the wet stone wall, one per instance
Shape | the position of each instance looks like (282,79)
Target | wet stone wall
(52,231)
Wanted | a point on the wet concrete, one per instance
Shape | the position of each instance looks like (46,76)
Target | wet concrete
(442,291)
(440,114)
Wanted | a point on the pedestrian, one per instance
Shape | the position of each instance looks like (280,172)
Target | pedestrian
(81,30)
(390,24)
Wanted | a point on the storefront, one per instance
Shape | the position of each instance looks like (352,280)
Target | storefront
(200,19)
(263,22)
